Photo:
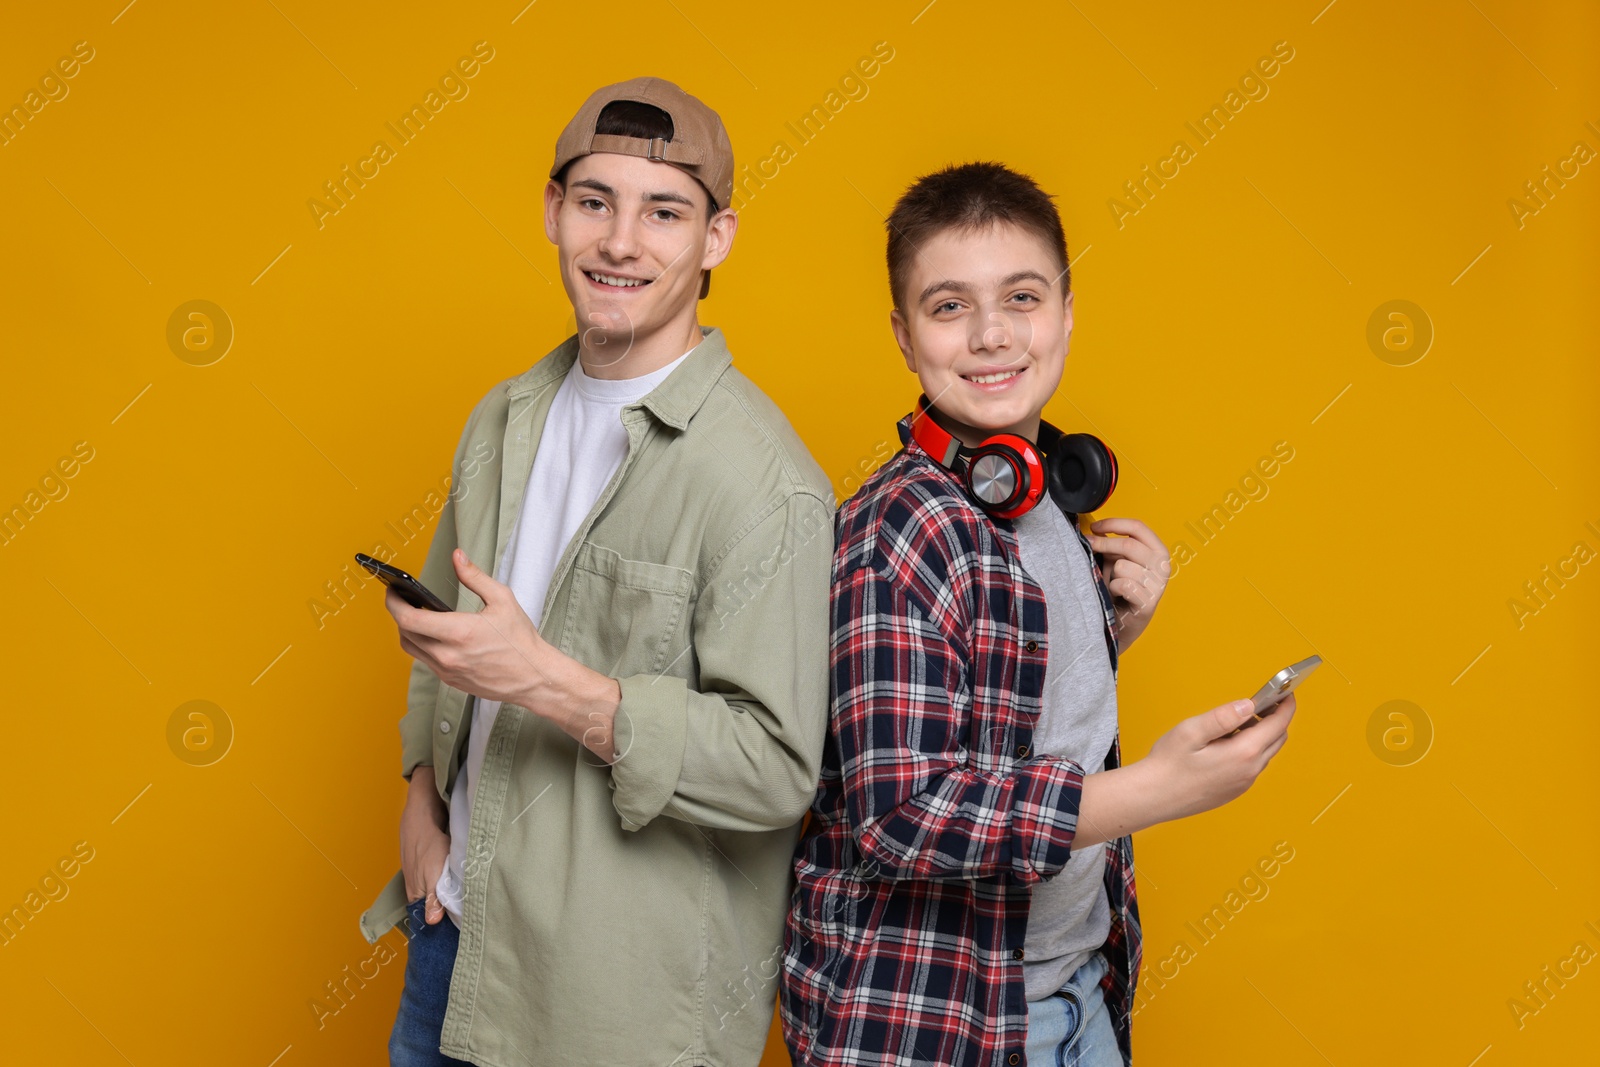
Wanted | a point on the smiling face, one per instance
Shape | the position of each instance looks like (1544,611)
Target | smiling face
(633,236)
(985,326)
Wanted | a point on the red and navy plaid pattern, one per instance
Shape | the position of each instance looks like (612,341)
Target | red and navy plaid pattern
(934,817)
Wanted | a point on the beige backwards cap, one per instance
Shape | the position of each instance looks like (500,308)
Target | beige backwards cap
(699,146)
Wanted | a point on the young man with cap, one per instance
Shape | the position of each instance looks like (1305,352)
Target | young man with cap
(611,742)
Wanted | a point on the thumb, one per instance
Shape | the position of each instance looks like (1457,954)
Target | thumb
(434,910)
(1226,718)
(473,577)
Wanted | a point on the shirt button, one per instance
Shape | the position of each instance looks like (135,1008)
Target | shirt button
(1032,646)
(1013,1059)
(1022,750)
(1016,953)
(444,727)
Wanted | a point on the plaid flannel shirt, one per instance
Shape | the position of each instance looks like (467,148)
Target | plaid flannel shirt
(934,817)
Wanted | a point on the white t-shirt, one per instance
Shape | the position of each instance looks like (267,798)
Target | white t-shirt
(582,445)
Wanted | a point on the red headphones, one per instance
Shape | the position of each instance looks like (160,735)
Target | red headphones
(1007,474)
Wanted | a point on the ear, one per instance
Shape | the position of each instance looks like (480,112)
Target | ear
(1066,324)
(554,197)
(902,337)
(719,238)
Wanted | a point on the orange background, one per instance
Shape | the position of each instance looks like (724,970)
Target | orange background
(1229,313)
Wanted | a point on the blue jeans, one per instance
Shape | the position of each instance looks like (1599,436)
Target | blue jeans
(429,961)
(1072,1027)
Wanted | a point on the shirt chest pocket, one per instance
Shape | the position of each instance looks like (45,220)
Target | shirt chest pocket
(627,616)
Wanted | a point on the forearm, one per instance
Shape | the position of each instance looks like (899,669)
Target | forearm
(583,702)
(423,800)
(1119,802)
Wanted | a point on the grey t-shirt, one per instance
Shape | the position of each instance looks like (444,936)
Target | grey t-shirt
(1070,915)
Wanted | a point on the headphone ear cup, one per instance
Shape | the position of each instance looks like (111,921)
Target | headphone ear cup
(1083,473)
(1004,475)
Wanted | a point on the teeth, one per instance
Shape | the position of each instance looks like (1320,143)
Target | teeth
(608,279)
(987,379)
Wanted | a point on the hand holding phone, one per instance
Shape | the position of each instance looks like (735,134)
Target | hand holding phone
(411,591)
(1279,686)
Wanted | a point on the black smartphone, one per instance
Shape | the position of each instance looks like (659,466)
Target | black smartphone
(411,591)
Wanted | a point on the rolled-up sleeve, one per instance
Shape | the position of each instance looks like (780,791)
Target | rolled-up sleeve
(920,805)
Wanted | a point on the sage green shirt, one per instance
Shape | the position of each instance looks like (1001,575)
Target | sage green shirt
(633,913)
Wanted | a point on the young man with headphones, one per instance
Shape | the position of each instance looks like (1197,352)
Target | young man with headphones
(965,891)
(612,739)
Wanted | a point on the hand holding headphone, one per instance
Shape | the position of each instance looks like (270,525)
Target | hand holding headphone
(1007,474)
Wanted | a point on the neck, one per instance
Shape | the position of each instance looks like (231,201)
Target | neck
(972,437)
(639,354)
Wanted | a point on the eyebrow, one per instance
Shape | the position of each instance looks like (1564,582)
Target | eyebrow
(966,287)
(649,198)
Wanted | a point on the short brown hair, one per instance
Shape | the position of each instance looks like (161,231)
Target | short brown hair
(970,196)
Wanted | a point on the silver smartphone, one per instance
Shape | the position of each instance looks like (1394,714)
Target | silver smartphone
(1283,683)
